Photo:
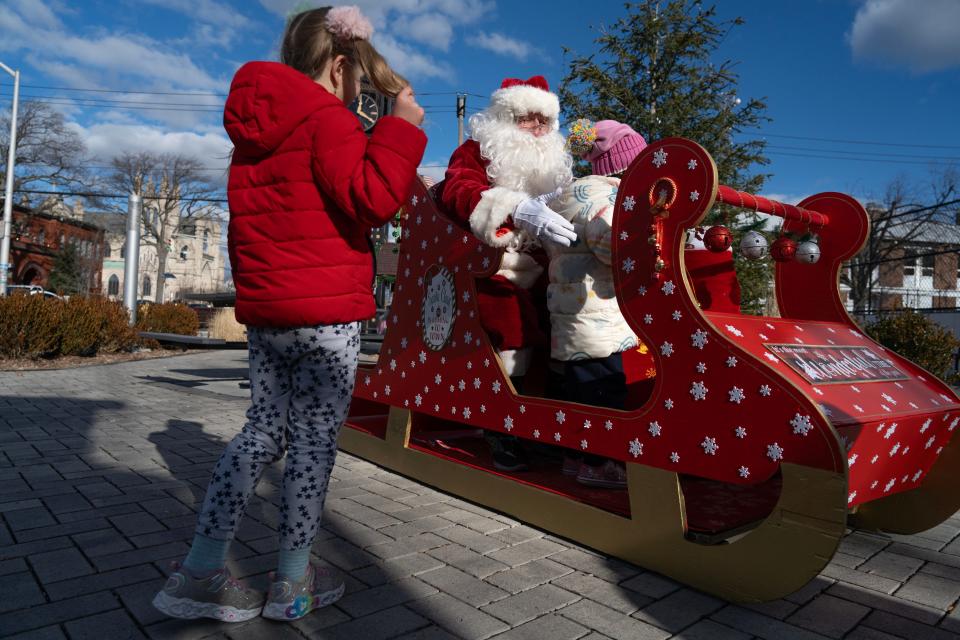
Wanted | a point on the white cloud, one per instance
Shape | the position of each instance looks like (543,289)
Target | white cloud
(430,29)
(36,13)
(923,36)
(409,62)
(502,45)
(436,169)
(105,141)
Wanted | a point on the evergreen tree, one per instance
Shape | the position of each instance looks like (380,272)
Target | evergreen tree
(66,277)
(655,70)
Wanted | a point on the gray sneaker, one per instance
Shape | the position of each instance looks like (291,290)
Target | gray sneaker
(290,601)
(216,596)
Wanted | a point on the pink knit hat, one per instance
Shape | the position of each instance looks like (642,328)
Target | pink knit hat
(613,149)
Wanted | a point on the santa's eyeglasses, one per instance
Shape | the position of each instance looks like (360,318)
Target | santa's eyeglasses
(533,122)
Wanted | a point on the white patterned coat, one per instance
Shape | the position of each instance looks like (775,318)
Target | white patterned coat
(585,318)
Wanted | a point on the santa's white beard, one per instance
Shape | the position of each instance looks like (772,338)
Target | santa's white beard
(518,159)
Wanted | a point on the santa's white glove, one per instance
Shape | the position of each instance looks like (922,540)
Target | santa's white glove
(541,222)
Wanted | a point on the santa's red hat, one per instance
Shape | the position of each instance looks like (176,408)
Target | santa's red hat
(517,97)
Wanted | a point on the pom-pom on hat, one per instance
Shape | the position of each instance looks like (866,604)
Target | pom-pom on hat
(517,97)
(349,23)
(613,148)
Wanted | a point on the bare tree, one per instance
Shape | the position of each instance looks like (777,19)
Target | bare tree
(898,220)
(175,194)
(49,152)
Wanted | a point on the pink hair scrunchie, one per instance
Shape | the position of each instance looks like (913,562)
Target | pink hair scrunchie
(348,23)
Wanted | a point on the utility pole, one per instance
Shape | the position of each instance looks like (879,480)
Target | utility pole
(131,264)
(461,111)
(8,193)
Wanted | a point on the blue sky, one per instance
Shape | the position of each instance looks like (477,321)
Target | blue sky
(879,77)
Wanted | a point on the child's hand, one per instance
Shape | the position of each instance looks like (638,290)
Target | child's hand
(405,106)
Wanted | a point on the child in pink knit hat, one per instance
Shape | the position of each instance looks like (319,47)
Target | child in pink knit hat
(588,331)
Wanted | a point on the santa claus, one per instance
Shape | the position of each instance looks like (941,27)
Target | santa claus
(498,184)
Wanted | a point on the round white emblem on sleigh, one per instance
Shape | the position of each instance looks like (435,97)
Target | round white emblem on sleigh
(439,307)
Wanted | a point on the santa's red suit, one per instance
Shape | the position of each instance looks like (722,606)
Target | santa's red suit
(485,180)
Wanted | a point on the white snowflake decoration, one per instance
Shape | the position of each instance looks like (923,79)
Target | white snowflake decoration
(801,424)
(775,452)
(926,425)
(692,165)
(852,460)
(461,385)
(556,436)
(674,457)
(676,315)
(694,196)
(629,203)
(701,367)
(710,446)
(853,494)
(624,235)
(608,425)
(586,424)
(483,408)
(769,356)
(366,380)
(523,408)
(732,329)
(890,431)
(740,432)
(647,319)
(536,433)
(508,423)
(418,400)
(654,429)
(414,200)
(386,390)
(635,448)
(668,404)
(894,449)
(403,342)
(629,264)
(561,417)
(583,443)
(732,361)
(765,390)
(736,395)
(476,383)
(668,287)
(698,390)
(744,472)
(641,291)
(495,386)
(659,158)
(666,349)
(466,412)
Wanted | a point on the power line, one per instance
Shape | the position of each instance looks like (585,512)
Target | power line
(113,195)
(868,142)
(152,93)
(856,159)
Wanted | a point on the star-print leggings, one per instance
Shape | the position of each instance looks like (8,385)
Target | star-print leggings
(301,382)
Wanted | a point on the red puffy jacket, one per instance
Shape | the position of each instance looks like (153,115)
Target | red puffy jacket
(306,185)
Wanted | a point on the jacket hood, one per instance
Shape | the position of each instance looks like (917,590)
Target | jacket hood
(266,103)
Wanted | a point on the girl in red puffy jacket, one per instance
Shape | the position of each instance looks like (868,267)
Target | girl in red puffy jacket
(306,185)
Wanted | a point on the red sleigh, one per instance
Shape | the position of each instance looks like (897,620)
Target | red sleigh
(748,452)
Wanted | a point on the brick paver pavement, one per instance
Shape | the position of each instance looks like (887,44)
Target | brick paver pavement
(101,469)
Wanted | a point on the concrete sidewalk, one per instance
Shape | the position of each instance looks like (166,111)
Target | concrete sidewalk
(101,469)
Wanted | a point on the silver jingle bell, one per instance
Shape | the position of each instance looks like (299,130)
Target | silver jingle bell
(808,252)
(753,245)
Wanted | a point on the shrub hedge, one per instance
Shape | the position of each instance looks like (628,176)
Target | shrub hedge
(918,339)
(168,317)
(34,326)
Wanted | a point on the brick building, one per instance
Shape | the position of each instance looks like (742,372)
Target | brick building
(38,236)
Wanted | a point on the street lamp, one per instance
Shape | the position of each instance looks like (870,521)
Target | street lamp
(8,194)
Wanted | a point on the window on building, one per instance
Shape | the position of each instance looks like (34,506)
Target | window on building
(927,265)
(113,286)
(188,229)
(146,285)
(107,251)
(184,252)
(206,241)
(123,251)
(42,236)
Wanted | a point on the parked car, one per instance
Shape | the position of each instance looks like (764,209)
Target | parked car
(31,289)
